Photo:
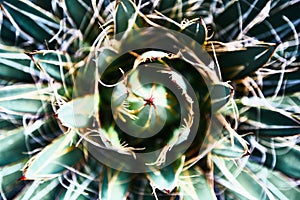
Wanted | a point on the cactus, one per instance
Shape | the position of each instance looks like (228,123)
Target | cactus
(149,99)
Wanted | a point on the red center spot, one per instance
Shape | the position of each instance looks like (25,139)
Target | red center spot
(150,101)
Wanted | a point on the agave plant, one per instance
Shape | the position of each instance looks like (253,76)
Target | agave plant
(149,99)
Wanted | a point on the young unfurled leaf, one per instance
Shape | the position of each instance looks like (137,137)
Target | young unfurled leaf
(53,160)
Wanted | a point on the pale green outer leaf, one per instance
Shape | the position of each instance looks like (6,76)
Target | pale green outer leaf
(78,112)
(194,185)
(20,106)
(53,159)
(13,146)
(114,184)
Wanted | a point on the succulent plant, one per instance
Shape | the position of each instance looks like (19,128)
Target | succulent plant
(149,99)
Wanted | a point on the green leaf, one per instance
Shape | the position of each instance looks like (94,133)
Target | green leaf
(229,150)
(83,17)
(166,179)
(55,64)
(34,23)
(241,182)
(220,95)
(114,184)
(125,16)
(239,14)
(196,30)
(194,185)
(9,176)
(238,62)
(13,146)
(281,186)
(285,160)
(79,189)
(78,12)
(15,66)
(78,113)
(53,159)
(21,106)
(36,190)
(140,188)
(291,83)
(275,28)
(271,121)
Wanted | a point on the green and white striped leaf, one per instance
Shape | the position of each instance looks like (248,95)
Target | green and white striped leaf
(125,16)
(16,65)
(276,28)
(36,190)
(13,146)
(9,176)
(239,16)
(271,117)
(285,160)
(53,160)
(83,17)
(228,149)
(220,94)
(280,185)
(240,181)
(55,64)
(43,25)
(237,61)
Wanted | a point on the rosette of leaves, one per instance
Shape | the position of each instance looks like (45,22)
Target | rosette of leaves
(46,118)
